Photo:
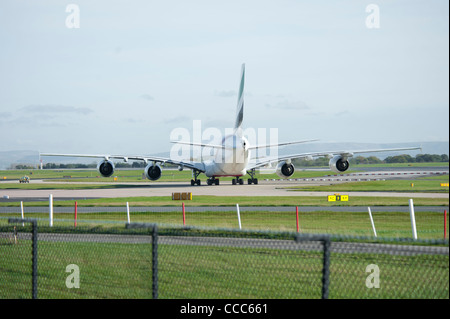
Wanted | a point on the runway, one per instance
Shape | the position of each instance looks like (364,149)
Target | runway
(265,187)
(166,189)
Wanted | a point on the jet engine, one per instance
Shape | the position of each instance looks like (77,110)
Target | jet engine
(285,170)
(106,168)
(153,171)
(339,164)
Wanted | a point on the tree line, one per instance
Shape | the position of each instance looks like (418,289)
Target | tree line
(419,158)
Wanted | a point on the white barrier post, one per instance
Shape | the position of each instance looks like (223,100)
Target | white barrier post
(413,219)
(239,216)
(50,208)
(371,221)
(21,212)
(128,213)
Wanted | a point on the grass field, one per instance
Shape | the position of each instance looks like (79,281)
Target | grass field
(113,270)
(206,200)
(430,225)
(82,179)
(136,175)
(423,185)
(119,270)
(129,175)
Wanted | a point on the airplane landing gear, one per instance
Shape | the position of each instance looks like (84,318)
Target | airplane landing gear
(252,179)
(237,180)
(195,181)
(212,181)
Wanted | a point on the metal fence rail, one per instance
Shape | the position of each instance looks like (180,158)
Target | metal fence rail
(144,260)
(192,209)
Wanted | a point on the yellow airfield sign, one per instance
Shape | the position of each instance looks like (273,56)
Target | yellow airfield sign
(338,198)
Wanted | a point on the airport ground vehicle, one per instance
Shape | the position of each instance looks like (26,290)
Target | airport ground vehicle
(24,179)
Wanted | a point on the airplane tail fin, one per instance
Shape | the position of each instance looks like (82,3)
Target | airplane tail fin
(240,101)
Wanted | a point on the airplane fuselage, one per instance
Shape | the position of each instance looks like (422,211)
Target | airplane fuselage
(232,160)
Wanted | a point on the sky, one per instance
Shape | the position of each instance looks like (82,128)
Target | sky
(117,77)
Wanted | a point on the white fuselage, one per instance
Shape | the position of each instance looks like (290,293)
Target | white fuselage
(232,160)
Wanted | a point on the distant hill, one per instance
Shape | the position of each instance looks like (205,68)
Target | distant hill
(7,158)
(427,148)
(30,157)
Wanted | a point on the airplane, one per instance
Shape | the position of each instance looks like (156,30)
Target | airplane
(232,156)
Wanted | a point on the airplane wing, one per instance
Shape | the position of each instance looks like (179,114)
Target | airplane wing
(252,147)
(344,154)
(201,144)
(279,144)
(188,164)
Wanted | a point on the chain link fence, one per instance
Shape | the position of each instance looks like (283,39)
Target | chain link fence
(142,260)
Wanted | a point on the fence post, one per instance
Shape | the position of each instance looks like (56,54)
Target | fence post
(34,273)
(155,262)
(128,213)
(34,252)
(326,267)
(239,216)
(153,229)
(21,212)
(413,219)
(371,221)
(296,211)
(50,209)
(445,224)
(184,216)
(76,212)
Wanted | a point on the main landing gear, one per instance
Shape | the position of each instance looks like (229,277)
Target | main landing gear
(212,181)
(215,181)
(252,179)
(237,180)
(195,181)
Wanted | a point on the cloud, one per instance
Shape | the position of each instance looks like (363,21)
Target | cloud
(5,114)
(147,97)
(287,105)
(176,120)
(229,93)
(342,113)
(133,120)
(54,109)
(5,118)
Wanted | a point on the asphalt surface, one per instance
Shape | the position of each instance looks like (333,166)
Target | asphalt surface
(265,187)
(299,245)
